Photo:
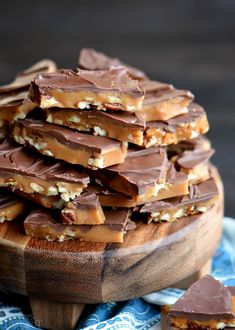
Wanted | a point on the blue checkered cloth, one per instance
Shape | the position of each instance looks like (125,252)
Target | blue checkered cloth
(142,313)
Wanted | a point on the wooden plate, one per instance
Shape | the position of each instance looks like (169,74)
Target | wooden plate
(152,257)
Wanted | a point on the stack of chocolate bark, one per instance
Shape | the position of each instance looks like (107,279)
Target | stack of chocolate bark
(100,148)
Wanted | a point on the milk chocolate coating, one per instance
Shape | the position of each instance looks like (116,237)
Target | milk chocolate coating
(7,198)
(206,299)
(195,111)
(69,137)
(115,79)
(18,160)
(90,59)
(201,192)
(115,219)
(142,171)
(159,92)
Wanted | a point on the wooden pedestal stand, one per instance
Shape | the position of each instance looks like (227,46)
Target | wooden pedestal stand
(60,278)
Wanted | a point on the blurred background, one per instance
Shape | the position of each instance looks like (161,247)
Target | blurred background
(190,43)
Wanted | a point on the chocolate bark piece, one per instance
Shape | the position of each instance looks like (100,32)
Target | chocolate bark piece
(73,147)
(145,176)
(207,304)
(14,101)
(119,125)
(11,206)
(180,128)
(104,89)
(126,126)
(138,174)
(205,300)
(163,102)
(44,224)
(201,198)
(192,157)
(90,59)
(23,170)
(84,209)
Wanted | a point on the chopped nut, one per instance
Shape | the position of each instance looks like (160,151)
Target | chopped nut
(49,118)
(19,139)
(83,105)
(99,131)
(36,187)
(2,219)
(96,162)
(74,119)
(48,102)
(58,121)
(202,209)
(52,191)
(48,153)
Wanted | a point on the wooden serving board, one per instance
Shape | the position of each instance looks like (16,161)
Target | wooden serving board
(152,257)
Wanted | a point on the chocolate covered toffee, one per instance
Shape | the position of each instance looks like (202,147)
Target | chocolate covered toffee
(207,304)
(25,171)
(161,102)
(105,144)
(11,206)
(124,126)
(45,225)
(104,89)
(14,100)
(200,199)
(73,147)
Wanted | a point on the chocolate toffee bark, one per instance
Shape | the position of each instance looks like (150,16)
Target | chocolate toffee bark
(11,206)
(20,169)
(84,209)
(14,101)
(73,147)
(162,101)
(180,128)
(90,59)
(119,125)
(145,175)
(200,199)
(126,126)
(104,89)
(207,304)
(45,225)
(192,157)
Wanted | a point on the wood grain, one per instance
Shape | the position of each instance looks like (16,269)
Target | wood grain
(152,257)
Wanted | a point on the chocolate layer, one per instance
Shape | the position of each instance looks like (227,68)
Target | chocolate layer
(18,160)
(201,192)
(90,59)
(205,300)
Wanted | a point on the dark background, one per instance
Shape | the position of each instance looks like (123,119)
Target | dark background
(189,43)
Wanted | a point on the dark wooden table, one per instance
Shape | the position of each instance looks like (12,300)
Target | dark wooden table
(188,43)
